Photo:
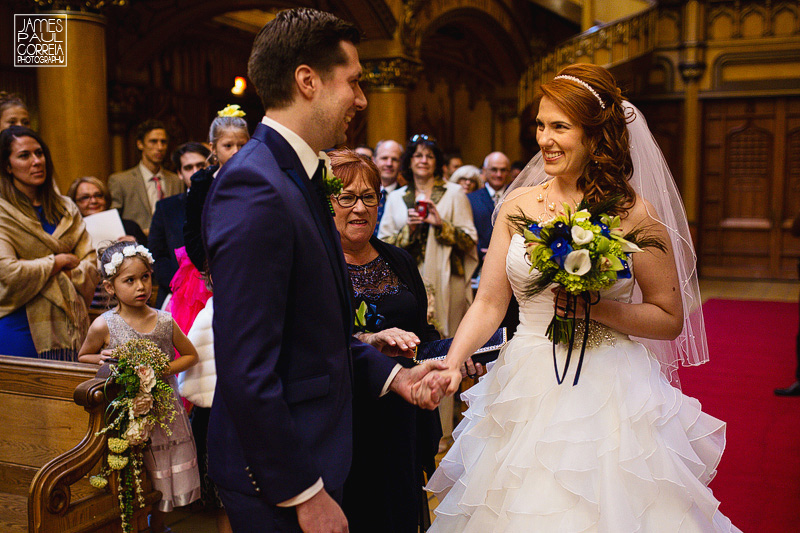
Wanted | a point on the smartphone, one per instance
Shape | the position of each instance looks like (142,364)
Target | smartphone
(422,208)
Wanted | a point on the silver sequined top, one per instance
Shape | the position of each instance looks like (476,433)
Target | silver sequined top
(120,332)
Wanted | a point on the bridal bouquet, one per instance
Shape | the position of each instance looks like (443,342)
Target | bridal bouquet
(583,250)
(145,401)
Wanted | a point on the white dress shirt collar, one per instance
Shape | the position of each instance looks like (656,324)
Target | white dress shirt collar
(491,190)
(305,153)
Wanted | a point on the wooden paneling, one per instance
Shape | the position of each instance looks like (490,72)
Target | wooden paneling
(750,188)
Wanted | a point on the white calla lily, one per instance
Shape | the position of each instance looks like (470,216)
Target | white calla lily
(581,236)
(578,262)
(628,247)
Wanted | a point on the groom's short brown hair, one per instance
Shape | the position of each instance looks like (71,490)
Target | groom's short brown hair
(296,37)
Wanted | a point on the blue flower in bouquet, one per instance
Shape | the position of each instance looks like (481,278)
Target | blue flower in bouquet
(536,229)
(562,231)
(561,249)
(625,273)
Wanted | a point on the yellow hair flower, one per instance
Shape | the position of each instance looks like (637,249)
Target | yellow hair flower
(233,110)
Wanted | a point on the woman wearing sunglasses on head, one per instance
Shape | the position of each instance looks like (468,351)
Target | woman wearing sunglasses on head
(432,220)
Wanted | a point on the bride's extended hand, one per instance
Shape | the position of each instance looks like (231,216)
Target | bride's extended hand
(448,380)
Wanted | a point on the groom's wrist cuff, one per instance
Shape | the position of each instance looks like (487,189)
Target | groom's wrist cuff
(392,374)
(304,496)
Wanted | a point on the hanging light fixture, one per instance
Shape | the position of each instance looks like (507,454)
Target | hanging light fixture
(239,86)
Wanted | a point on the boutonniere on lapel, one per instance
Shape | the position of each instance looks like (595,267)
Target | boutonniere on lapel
(332,186)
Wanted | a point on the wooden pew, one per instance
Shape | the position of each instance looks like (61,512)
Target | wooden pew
(49,414)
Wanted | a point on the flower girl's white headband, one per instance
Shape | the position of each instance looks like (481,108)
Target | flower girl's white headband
(581,82)
(129,251)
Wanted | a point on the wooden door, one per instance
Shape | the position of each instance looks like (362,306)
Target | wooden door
(750,188)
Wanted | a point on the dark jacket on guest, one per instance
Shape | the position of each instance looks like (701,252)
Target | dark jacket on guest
(482,209)
(166,234)
(195,200)
(134,230)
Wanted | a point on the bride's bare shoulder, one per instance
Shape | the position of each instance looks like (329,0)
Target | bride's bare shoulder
(519,197)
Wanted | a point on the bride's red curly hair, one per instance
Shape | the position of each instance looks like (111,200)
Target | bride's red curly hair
(605,132)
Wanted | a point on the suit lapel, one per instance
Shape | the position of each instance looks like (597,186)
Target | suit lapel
(141,190)
(287,159)
(487,201)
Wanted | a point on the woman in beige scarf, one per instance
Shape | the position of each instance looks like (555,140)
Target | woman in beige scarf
(47,262)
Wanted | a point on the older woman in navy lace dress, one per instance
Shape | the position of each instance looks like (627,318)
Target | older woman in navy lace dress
(394,442)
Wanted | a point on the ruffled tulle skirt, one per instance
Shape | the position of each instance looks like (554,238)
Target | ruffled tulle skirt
(623,451)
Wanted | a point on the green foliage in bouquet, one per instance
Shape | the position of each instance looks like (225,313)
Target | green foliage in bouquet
(145,400)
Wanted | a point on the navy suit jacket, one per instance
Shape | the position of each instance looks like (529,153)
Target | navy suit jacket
(482,209)
(285,356)
(166,235)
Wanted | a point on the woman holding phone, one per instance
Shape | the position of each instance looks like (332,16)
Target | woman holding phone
(432,220)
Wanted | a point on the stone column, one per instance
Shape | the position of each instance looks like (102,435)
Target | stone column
(692,67)
(72,102)
(386,83)
(587,15)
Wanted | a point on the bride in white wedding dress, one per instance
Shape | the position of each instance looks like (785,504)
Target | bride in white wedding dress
(623,450)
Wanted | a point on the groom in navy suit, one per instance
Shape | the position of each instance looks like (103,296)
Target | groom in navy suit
(280,433)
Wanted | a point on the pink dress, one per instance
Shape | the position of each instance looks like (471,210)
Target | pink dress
(189,292)
(171,460)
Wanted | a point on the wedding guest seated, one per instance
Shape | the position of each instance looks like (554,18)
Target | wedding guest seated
(394,442)
(13,111)
(47,262)
(469,177)
(91,196)
(166,229)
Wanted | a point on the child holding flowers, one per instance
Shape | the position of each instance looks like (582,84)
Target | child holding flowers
(171,457)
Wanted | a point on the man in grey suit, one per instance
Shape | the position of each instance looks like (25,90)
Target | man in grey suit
(135,191)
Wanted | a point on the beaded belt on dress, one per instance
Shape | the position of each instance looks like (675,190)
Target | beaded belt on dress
(599,334)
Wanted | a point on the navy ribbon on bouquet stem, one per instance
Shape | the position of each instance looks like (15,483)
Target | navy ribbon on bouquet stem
(557,336)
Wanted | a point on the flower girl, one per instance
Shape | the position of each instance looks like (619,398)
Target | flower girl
(171,460)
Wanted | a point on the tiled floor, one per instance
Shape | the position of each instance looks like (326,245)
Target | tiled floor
(182,521)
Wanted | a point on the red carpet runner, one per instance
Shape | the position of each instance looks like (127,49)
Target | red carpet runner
(752,349)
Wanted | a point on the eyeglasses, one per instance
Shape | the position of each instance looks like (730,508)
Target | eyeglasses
(347,199)
(85,198)
(422,137)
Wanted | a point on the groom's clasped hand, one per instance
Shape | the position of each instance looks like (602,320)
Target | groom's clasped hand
(422,384)
(437,382)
